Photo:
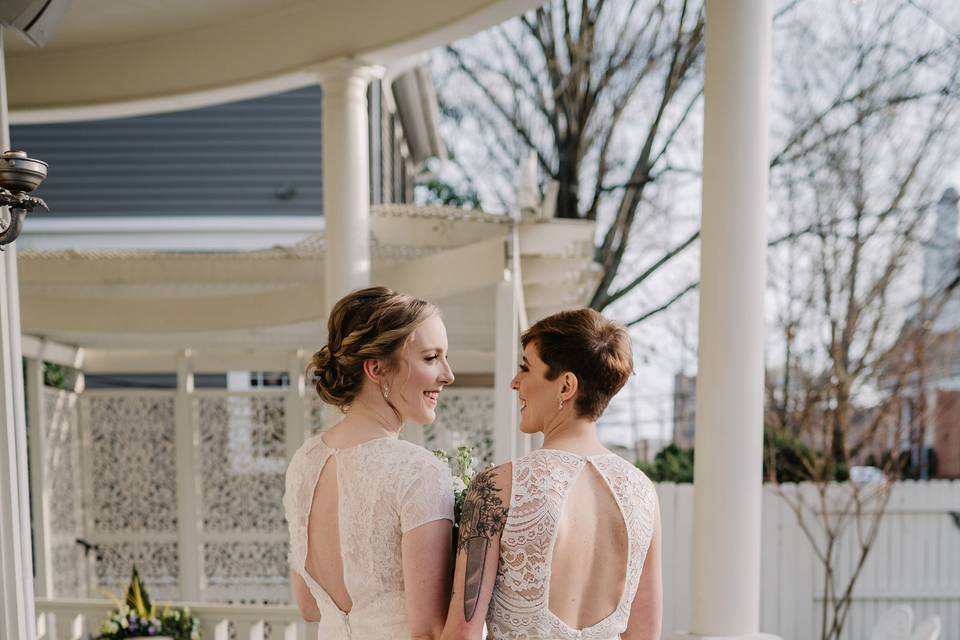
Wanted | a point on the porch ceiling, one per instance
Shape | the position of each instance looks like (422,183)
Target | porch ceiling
(273,299)
(137,56)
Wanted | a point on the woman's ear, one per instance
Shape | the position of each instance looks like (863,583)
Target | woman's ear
(374,370)
(569,385)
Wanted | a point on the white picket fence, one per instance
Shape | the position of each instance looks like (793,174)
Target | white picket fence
(915,561)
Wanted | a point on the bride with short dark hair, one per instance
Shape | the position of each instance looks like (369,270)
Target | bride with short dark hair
(563,543)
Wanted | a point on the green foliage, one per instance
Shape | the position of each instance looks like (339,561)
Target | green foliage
(442,192)
(671,464)
(790,458)
(786,458)
(463,467)
(57,376)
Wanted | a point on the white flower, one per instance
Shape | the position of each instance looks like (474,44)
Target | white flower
(459,485)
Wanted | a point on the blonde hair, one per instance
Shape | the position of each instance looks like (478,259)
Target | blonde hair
(369,324)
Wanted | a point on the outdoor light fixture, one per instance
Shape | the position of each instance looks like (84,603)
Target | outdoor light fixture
(19,175)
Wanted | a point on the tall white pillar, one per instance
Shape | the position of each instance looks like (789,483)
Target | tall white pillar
(187,444)
(346,176)
(16,566)
(295,408)
(40,496)
(725,598)
(507,349)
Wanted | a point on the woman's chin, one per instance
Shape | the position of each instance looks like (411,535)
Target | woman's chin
(427,417)
(526,427)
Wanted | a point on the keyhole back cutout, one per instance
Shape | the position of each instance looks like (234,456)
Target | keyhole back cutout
(588,569)
(324,560)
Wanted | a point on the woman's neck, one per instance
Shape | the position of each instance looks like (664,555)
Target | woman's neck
(576,435)
(365,421)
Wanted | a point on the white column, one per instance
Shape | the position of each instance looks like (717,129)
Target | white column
(16,568)
(346,176)
(506,344)
(187,443)
(40,496)
(295,407)
(725,598)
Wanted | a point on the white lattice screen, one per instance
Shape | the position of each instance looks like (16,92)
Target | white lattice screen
(464,417)
(121,477)
(241,468)
(130,488)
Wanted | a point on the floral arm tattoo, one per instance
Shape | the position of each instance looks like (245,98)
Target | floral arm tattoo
(483,519)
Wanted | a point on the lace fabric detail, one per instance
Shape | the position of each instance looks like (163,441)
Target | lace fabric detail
(386,487)
(541,481)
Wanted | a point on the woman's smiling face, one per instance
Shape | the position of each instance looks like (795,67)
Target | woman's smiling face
(422,372)
(539,397)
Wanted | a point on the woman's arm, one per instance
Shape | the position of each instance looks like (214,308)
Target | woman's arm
(478,553)
(305,602)
(646,612)
(425,554)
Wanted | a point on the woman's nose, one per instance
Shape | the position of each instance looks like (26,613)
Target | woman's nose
(447,374)
(515,383)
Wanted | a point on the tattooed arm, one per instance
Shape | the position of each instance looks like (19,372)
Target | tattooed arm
(478,552)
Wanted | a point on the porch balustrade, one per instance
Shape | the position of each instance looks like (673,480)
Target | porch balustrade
(74,619)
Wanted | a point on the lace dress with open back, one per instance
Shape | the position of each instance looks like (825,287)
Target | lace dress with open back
(573,547)
(381,489)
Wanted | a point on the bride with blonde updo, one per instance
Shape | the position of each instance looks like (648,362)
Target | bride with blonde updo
(370,515)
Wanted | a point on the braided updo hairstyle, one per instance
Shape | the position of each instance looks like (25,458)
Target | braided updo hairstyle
(369,324)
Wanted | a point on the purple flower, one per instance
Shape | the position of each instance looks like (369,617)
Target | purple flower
(151,631)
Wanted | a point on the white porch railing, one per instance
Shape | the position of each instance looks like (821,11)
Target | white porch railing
(74,619)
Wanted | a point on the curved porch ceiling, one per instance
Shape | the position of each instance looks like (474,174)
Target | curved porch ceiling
(113,59)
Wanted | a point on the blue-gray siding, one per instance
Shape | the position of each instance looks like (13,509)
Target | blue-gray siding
(250,158)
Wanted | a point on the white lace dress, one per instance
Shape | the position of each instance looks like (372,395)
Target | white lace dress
(521,595)
(386,487)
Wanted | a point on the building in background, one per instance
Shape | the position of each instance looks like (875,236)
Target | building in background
(684,410)
(940,431)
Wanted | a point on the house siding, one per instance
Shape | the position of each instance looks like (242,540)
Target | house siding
(249,158)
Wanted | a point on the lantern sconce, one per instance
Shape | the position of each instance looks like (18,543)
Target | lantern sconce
(19,175)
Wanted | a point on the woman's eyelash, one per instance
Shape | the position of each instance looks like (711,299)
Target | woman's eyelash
(523,367)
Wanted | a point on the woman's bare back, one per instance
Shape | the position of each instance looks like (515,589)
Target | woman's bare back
(589,566)
(573,546)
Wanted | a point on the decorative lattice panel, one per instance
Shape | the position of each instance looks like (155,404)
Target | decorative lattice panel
(132,492)
(133,458)
(315,414)
(61,460)
(247,572)
(464,417)
(242,463)
(243,459)
(157,563)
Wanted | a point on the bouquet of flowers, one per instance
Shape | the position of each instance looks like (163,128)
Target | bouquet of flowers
(137,617)
(463,471)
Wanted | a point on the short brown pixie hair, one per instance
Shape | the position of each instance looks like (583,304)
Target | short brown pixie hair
(596,350)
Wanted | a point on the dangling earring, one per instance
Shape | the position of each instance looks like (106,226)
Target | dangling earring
(386,391)
(561,403)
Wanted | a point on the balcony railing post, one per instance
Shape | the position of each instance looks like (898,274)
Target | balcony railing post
(295,408)
(189,526)
(37,430)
